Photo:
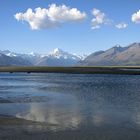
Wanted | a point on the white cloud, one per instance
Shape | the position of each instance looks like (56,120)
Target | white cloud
(99,19)
(52,17)
(136,17)
(122,25)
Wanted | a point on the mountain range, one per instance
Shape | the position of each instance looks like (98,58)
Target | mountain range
(117,55)
(57,57)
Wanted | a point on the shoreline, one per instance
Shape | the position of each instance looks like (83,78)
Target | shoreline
(128,70)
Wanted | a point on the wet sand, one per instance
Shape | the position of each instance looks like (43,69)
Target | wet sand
(19,129)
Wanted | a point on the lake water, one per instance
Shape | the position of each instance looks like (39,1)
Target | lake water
(70,106)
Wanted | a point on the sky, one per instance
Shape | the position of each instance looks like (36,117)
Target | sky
(75,26)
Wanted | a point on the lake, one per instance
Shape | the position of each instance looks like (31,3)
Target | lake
(53,106)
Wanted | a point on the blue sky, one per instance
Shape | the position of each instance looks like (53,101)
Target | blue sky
(73,35)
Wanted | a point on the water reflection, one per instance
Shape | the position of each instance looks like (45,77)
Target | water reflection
(78,115)
(54,116)
(73,102)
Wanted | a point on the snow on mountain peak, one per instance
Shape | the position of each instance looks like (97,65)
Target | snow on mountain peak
(57,51)
(32,54)
(11,54)
(8,53)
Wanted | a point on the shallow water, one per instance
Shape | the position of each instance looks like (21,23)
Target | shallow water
(71,106)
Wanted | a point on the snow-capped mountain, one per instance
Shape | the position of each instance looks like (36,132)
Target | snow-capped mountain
(8,53)
(6,60)
(81,57)
(58,53)
(17,58)
(58,57)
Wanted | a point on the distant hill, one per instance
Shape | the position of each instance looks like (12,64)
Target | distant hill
(117,55)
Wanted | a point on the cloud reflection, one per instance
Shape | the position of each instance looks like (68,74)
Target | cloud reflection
(53,116)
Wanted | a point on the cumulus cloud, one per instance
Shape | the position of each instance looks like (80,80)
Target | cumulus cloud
(136,17)
(121,25)
(99,19)
(54,16)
